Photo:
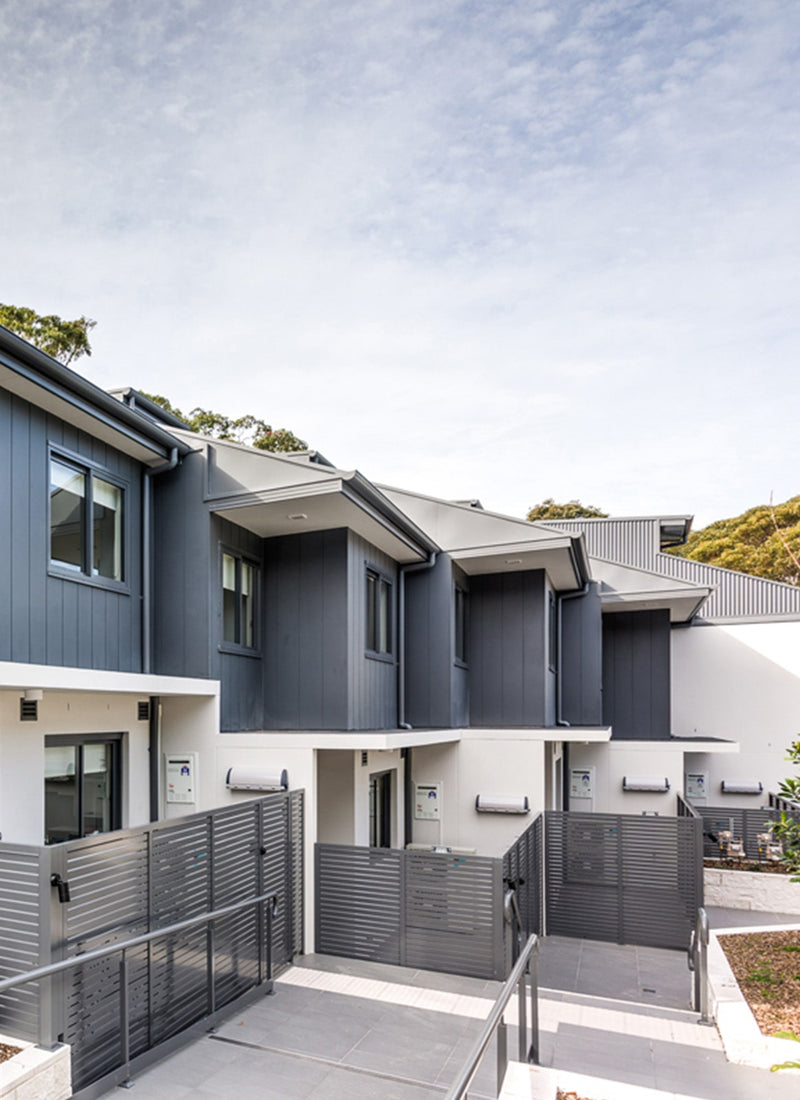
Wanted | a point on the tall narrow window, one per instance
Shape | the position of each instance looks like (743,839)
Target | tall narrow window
(379,613)
(552,633)
(460,625)
(86,512)
(239,585)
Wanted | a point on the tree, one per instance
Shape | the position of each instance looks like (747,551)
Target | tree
(243,429)
(763,541)
(573,509)
(63,340)
(787,827)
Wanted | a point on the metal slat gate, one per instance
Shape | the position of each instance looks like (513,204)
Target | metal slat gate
(430,910)
(623,879)
(126,883)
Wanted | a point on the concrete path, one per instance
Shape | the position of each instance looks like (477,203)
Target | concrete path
(339,1029)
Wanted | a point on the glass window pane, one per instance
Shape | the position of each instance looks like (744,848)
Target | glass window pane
(107,529)
(67,494)
(96,789)
(385,618)
(229,598)
(61,803)
(372,633)
(248,604)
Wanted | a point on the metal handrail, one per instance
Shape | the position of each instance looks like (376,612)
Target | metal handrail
(685,808)
(517,978)
(778,802)
(208,918)
(698,964)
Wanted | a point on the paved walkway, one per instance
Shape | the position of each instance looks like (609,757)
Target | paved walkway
(339,1029)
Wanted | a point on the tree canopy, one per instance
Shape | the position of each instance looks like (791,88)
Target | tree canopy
(764,541)
(63,340)
(242,429)
(573,509)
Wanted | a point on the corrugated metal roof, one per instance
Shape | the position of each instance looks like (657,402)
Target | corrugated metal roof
(637,542)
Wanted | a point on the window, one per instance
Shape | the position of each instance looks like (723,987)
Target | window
(552,633)
(379,613)
(460,632)
(239,580)
(81,786)
(85,521)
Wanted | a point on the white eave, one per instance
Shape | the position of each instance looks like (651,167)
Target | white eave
(625,588)
(15,676)
(387,740)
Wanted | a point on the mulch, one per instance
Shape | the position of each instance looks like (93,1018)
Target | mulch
(7,1052)
(771,868)
(767,967)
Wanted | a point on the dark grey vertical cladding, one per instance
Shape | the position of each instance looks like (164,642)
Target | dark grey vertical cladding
(182,572)
(429,656)
(459,673)
(241,675)
(305,631)
(47,619)
(636,675)
(372,680)
(581,660)
(437,688)
(507,657)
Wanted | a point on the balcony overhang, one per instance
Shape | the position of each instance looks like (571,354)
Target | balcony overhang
(319,506)
(555,556)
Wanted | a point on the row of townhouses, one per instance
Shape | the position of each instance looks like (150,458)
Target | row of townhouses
(186,623)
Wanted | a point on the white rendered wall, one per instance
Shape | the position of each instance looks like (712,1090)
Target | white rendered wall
(507,764)
(336,789)
(614,760)
(740,682)
(22,755)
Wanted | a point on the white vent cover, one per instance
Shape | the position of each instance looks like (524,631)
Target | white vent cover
(256,779)
(656,784)
(741,786)
(502,804)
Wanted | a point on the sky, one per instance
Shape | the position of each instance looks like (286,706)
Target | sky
(504,250)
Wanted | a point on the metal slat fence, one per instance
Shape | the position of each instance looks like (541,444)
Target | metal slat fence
(744,823)
(129,883)
(621,878)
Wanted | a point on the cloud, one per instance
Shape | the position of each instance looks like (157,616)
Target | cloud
(509,250)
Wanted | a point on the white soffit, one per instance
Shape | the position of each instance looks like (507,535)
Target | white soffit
(320,506)
(555,557)
(624,588)
(42,398)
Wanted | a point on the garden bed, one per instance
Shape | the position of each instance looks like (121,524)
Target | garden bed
(767,967)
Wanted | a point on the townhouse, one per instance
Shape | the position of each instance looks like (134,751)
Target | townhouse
(186,623)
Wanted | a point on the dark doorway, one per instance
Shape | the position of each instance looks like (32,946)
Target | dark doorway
(380,810)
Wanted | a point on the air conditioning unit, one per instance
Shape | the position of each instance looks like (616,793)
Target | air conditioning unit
(256,779)
(654,784)
(741,786)
(502,804)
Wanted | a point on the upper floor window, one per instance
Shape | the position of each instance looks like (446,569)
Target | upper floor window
(379,613)
(85,521)
(552,632)
(239,581)
(460,626)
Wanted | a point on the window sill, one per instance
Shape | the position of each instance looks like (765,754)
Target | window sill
(458,663)
(238,650)
(122,588)
(384,658)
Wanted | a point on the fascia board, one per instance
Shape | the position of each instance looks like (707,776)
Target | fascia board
(44,382)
